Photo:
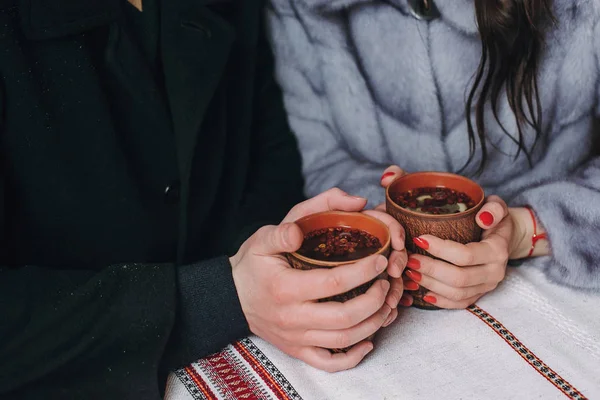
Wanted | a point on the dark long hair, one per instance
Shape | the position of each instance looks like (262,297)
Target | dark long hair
(512,35)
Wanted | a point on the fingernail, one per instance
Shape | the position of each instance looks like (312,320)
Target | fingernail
(387,321)
(285,235)
(486,218)
(389,310)
(381,263)
(400,268)
(397,296)
(413,263)
(405,301)
(387,175)
(357,197)
(385,284)
(411,285)
(430,299)
(368,349)
(414,275)
(388,314)
(422,243)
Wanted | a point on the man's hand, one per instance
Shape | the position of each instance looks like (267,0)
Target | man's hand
(396,264)
(390,174)
(281,304)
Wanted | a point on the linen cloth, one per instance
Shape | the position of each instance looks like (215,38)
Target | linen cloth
(434,354)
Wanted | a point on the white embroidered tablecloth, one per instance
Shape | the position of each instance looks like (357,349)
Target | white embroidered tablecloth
(529,339)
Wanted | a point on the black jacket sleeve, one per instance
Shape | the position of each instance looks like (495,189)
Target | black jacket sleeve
(111,326)
(108,326)
(209,315)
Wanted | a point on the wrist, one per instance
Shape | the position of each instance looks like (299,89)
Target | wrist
(529,236)
(520,244)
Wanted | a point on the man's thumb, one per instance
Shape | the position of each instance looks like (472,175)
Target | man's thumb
(284,238)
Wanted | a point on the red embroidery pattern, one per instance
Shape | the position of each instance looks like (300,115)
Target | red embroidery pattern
(240,371)
(260,370)
(561,384)
(199,383)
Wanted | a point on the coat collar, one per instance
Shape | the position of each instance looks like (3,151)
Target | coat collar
(195,46)
(459,14)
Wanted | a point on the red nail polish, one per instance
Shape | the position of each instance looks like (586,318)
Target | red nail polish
(430,299)
(405,301)
(413,263)
(414,275)
(422,243)
(387,175)
(411,285)
(486,218)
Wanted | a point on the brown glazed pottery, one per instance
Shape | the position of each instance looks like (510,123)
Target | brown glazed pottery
(459,227)
(354,220)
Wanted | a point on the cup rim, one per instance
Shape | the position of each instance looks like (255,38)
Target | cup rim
(471,210)
(321,263)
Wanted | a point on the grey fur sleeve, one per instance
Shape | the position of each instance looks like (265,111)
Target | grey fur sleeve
(570,212)
(326,161)
(569,209)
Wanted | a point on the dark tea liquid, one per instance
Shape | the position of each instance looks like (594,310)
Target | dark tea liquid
(434,200)
(339,244)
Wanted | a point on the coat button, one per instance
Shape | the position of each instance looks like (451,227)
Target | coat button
(172,192)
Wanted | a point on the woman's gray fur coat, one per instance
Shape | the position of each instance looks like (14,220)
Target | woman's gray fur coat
(367,85)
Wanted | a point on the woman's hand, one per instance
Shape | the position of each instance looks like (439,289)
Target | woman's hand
(523,233)
(464,272)
(389,175)
(467,272)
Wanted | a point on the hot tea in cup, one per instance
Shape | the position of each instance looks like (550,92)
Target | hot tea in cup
(339,244)
(436,203)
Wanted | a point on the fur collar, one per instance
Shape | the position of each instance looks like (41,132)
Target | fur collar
(457,13)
